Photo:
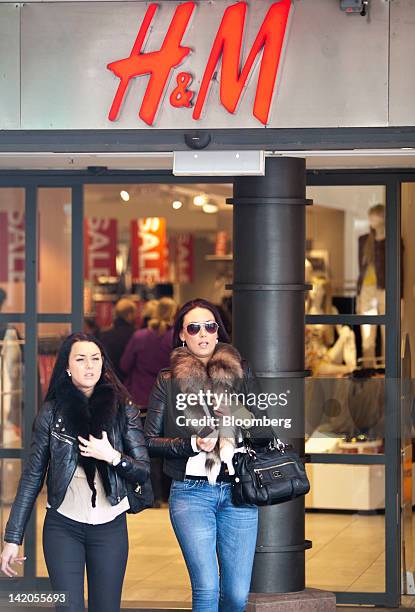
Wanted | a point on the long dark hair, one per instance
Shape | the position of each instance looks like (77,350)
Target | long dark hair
(198,303)
(59,373)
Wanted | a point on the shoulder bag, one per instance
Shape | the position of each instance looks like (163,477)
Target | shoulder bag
(270,476)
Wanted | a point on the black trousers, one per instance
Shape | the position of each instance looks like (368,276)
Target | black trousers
(69,546)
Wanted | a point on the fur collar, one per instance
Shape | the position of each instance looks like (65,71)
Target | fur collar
(83,415)
(223,369)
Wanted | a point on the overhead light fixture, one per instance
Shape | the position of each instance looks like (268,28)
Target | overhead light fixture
(210,208)
(177,204)
(219,163)
(124,195)
(200,200)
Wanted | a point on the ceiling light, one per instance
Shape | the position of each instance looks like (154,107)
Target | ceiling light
(177,204)
(210,208)
(200,200)
(125,195)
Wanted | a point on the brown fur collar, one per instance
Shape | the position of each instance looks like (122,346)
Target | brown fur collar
(223,369)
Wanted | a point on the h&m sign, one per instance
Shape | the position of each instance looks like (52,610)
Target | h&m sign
(228,62)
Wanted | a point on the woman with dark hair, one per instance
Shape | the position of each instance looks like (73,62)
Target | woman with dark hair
(88,437)
(186,425)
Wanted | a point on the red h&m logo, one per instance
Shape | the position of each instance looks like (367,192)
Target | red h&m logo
(226,46)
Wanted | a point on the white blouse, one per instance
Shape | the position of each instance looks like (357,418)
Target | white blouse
(77,505)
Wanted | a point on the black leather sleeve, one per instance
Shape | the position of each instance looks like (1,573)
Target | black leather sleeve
(135,461)
(32,478)
(158,444)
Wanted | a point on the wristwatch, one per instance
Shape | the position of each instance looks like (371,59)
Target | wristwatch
(116,459)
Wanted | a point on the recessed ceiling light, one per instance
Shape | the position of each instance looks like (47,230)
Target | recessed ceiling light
(210,208)
(200,200)
(177,204)
(124,195)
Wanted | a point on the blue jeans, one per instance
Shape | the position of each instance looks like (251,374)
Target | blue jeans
(211,530)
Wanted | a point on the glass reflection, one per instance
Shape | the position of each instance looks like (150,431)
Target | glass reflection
(12,250)
(11,385)
(346,239)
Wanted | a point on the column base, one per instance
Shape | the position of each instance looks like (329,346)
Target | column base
(309,600)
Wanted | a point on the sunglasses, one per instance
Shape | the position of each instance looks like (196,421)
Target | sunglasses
(194,328)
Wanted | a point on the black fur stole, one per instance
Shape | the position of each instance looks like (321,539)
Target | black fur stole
(83,416)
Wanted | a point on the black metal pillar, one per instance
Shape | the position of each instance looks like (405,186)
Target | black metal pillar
(268,329)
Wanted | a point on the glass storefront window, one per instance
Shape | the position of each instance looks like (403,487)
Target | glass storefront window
(345,398)
(11,384)
(147,241)
(345,255)
(12,250)
(54,272)
(50,339)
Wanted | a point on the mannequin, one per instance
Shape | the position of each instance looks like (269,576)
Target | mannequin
(371,281)
(324,356)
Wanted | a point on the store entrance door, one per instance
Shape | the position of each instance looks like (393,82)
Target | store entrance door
(47,297)
(41,301)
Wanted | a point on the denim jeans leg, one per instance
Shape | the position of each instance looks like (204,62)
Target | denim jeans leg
(192,507)
(237,528)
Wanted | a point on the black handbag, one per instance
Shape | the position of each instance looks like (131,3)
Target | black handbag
(270,476)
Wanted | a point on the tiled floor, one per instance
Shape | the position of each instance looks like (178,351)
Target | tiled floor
(348,555)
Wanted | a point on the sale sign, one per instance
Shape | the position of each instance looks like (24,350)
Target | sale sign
(100,247)
(12,246)
(184,258)
(149,262)
(226,52)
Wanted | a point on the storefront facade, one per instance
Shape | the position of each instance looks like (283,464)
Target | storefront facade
(335,82)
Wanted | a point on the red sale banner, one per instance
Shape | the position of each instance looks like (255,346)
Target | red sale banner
(103,313)
(12,246)
(149,250)
(184,258)
(100,248)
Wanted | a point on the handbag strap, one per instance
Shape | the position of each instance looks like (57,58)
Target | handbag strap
(276,444)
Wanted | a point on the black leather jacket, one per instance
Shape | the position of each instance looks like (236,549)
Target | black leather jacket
(165,439)
(55,452)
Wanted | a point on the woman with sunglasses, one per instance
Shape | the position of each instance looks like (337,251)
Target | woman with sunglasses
(204,370)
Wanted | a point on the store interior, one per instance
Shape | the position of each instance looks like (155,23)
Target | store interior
(193,257)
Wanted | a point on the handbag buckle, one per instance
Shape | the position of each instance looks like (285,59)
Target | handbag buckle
(280,445)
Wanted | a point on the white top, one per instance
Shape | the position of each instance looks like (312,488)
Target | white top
(195,466)
(77,505)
